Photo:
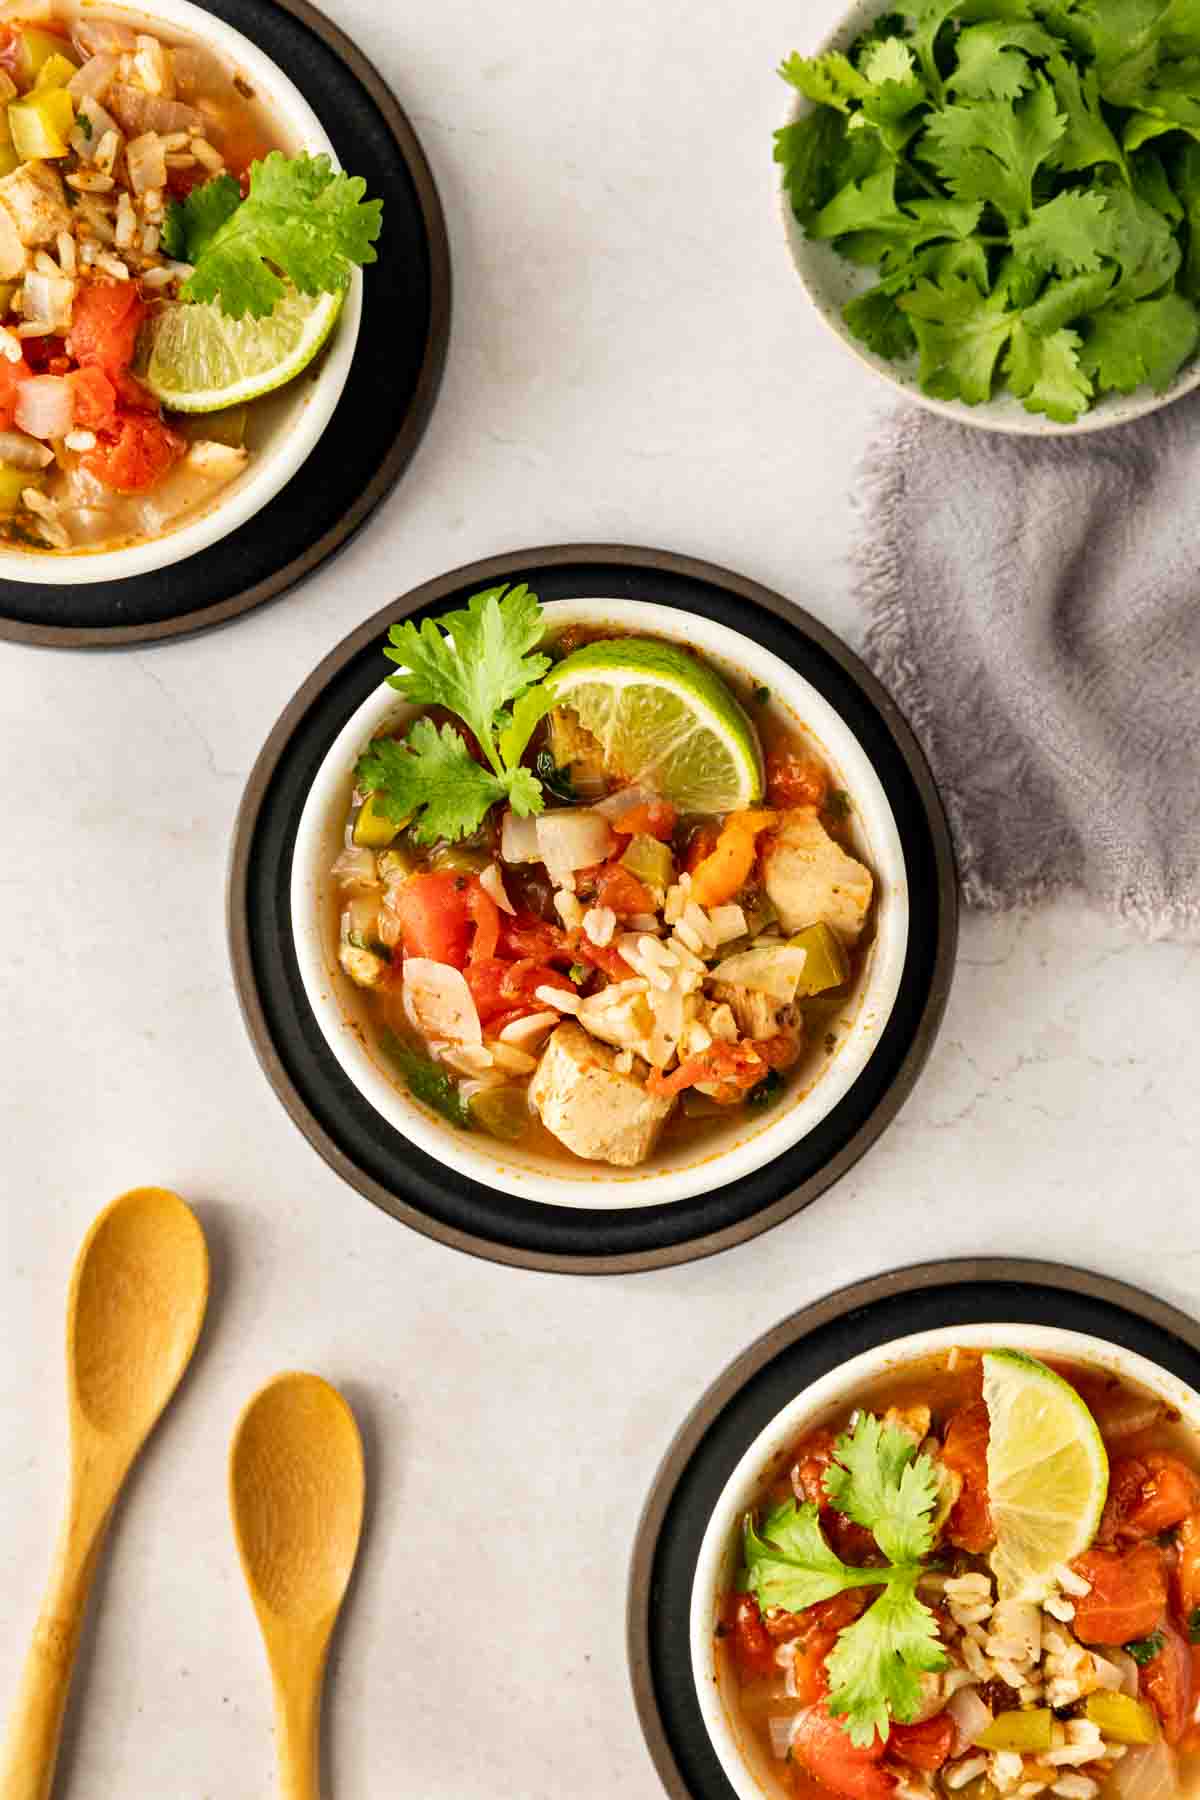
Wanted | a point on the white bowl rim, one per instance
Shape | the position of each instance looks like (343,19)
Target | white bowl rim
(614,1187)
(995,415)
(809,1404)
(280,461)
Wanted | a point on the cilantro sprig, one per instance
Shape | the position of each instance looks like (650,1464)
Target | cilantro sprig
(1025,178)
(301,222)
(480,664)
(878,1481)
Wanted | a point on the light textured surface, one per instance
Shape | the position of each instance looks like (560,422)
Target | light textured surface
(631,360)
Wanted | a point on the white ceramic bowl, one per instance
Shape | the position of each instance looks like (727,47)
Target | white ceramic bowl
(736,1149)
(290,422)
(752,1775)
(831,280)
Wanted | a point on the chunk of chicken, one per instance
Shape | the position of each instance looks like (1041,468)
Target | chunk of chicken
(35,200)
(590,1107)
(757,1015)
(810,879)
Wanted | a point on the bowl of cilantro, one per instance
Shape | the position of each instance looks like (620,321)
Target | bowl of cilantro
(900,1588)
(993,204)
(171,366)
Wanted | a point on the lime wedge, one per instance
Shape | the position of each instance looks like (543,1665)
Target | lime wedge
(1047,1473)
(661,718)
(195,359)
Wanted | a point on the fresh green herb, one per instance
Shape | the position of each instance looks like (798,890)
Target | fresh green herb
(555,779)
(875,1668)
(427,1082)
(767,1090)
(83,125)
(1025,177)
(302,221)
(479,665)
(838,804)
(360,941)
(1144,1650)
(762,695)
(1193,1625)
(578,973)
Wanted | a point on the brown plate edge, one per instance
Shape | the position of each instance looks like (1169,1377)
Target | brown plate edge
(485,573)
(858,1294)
(112,637)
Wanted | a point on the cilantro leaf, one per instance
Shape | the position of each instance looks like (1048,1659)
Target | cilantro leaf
(426,1081)
(932,15)
(993,59)
(789,1564)
(191,224)
(877,1480)
(1060,302)
(1046,373)
(876,1665)
(1070,234)
(830,80)
(1186,176)
(1143,244)
(431,778)
(960,335)
(878,322)
(1088,139)
(990,150)
(807,151)
(474,661)
(1149,340)
(301,220)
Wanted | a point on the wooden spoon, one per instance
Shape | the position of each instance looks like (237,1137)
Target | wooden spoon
(137,1301)
(296,1492)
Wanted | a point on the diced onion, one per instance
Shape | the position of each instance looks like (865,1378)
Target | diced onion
(1121,1659)
(623,801)
(518,840)
(438,1003)
(21,452)
(356,867)
(572,839)
(971,1715)
(780,1728)
(775,970)
(492,884)
(104,37)
(94,79)
(146,161)
(101,121)
(48,300)
(141,112)
(1150,1773)
(45,406)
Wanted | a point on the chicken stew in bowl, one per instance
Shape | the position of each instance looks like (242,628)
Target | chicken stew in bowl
(980,1577)
(601,904)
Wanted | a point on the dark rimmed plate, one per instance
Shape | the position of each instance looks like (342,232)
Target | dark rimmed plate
(761,1382)
(391,1171)
(378,423)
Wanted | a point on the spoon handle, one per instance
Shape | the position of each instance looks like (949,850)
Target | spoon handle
(297,1729)
(31,1747)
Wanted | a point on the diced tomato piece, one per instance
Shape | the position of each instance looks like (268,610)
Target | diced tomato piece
(924,1746)
(1128,1594)
(11,377)
(621,891)
(104,326)
(753,1650)
(1167,1680)
(524,935)
(505,990)
(1169,1493)
(95,399)
(135,454)
(434,915)
(485,916)
(598,956)
(795,780)
(726,869)
(1187,1569)
(700,845)
(1125,1477)
(812,1681)
(823,1745)
(46,355)
(735,1066)
(656,819)
(964,1450)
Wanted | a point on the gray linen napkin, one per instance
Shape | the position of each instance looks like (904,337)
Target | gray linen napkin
(1034,607)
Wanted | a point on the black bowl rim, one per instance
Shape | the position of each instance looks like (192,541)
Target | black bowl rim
(855,1298)
(484,573)
(404,445)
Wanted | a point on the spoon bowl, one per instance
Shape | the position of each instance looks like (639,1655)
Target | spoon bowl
(297,1484)
(138,1297)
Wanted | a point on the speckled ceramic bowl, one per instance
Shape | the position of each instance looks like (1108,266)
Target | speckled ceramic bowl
(831,281)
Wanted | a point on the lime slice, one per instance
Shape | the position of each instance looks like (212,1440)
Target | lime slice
(195,359)
(1047,1473)
(663,719)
